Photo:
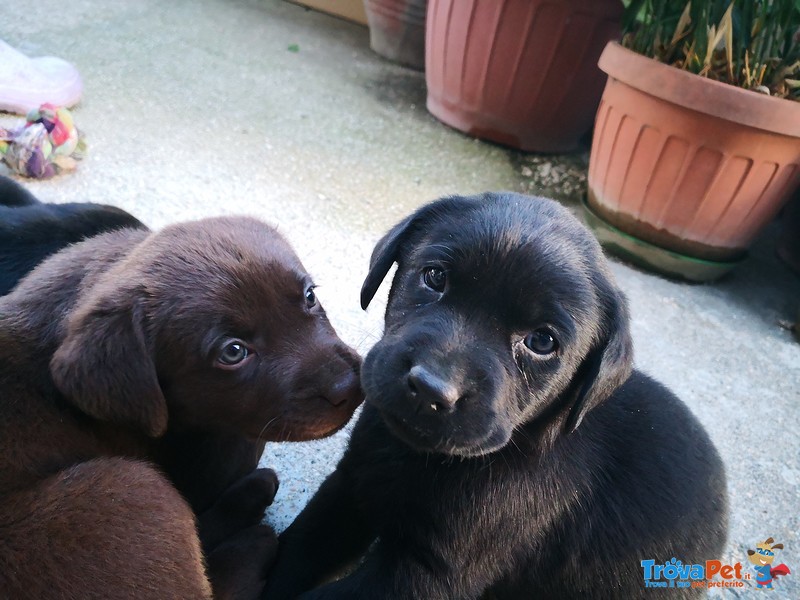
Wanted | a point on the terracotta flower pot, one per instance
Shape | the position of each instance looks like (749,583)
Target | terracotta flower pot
(397,30)
(519,72)
(687,164)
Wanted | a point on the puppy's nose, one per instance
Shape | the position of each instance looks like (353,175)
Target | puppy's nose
(347,387)
(433,393)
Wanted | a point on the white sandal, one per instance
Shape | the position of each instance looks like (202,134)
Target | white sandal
(26,83)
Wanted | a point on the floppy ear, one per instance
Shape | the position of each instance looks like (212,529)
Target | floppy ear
(387,250)
(105,367)
(609,363)
(383,256)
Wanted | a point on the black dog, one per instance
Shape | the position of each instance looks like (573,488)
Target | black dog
(506,449)
(30,230)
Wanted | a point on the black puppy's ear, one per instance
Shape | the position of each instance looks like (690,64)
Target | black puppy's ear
(387,250)
(105,366)
(383,256)
(609,363)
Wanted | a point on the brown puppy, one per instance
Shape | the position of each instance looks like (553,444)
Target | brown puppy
(140,375)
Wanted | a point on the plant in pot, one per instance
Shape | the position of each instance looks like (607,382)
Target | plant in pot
(697,139)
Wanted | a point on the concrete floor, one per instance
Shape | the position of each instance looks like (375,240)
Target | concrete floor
(195,108)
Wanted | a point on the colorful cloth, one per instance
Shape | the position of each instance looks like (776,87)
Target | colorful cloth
(46,145)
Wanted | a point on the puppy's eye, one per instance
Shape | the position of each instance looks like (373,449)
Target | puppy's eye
(541,341)
(233,353)
(434,278)
(311,297)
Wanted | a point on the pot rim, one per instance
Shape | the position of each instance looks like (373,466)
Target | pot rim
(700,94)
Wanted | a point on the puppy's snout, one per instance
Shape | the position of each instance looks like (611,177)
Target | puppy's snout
(433,393)
(346,388)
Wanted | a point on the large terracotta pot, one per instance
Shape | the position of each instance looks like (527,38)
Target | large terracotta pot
(687,164)
(518,72)
(397,30)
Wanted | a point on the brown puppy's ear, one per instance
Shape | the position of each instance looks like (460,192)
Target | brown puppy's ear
(105,367)
(609,363)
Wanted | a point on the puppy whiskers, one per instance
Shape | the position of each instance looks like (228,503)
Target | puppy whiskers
(263,429)
(446,251)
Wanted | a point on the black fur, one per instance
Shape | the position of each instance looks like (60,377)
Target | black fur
(481,468)
(30,230)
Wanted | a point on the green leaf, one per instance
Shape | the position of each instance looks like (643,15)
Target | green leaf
(741,42)
(632,14)
(293,48)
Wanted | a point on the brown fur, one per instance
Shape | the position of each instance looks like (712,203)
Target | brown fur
(110,375)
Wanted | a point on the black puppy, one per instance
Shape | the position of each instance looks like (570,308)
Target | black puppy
(30,230)
(506,447)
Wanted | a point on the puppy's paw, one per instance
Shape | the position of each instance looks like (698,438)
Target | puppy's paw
(241,506)
(252,494)
(238,567)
